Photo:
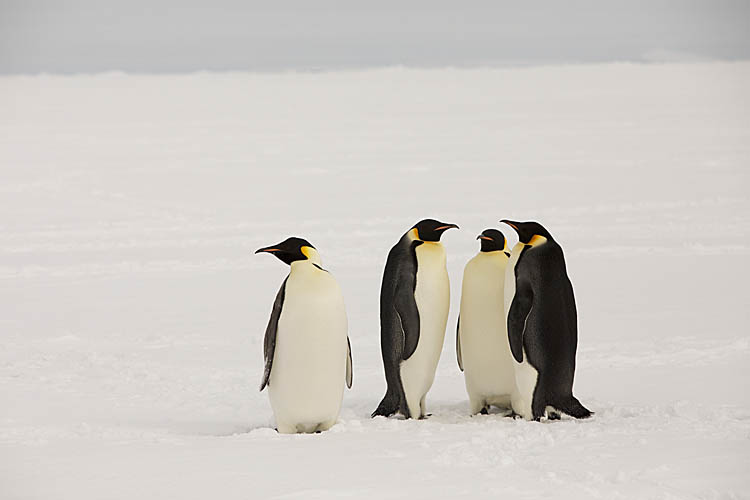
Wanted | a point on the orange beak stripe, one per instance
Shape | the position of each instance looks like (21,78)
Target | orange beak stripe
(443,227)
(485,238)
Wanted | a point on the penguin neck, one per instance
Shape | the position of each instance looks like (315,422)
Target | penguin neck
(517,249)
(313,258)
(494,254)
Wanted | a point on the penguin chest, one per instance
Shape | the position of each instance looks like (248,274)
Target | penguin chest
(432,296)
(309,366)
(485,351)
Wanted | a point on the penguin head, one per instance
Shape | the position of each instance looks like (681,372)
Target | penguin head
(292,250)
(528,230)
(492,240)
(431,229)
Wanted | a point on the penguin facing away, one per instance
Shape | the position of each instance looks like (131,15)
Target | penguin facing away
(306,347)
(414,304)
(542,326)
(482,345)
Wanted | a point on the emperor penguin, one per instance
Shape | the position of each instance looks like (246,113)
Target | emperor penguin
(414,303)
(306,348)
(540,311)
(482,345)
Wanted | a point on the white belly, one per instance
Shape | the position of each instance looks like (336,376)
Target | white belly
(525,374)
(432,294)
(485,352)
(309,365)
(523,395)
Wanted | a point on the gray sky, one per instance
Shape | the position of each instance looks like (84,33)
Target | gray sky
(176,36)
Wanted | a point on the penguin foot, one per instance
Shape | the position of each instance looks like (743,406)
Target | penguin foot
(553,415)
(484,411)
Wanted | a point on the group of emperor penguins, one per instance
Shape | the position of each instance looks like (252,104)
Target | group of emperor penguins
(515,341)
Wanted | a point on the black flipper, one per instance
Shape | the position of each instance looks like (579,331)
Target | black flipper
(349,371)
(519,311)
(269,341)
(408,315)
(458,344)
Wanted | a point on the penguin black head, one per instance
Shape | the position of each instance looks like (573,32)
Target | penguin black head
(527,230)
(492,240)
(431,229)
(291,250)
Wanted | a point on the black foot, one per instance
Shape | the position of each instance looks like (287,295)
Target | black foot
(485,411)
(553,415)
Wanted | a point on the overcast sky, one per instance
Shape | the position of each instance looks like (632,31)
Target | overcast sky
(176,36)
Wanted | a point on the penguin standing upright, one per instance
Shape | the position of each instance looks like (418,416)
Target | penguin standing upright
(306,348)
(542,325)
(482,345)
(414,303)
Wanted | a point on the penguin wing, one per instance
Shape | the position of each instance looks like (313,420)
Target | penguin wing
(269,341)
(349,373)
(408,316)
(519,311)
(458,344)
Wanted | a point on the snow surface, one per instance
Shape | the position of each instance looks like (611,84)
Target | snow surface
(133,308)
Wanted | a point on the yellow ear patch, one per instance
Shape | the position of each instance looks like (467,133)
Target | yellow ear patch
(537,240)
(415,233)
(306,251)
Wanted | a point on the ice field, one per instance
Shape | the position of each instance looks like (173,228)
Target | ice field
(133,308)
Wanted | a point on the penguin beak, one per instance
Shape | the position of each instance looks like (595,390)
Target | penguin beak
(483,237)
(511,223)
(445,227)
(268,249)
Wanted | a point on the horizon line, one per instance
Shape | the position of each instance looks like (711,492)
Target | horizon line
(380,67)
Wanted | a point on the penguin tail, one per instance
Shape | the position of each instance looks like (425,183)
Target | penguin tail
(571,406)
(388,406)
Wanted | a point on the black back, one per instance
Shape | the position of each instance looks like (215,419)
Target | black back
(543,321)
(399,321)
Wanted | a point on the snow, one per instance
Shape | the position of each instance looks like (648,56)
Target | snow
(133,308)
